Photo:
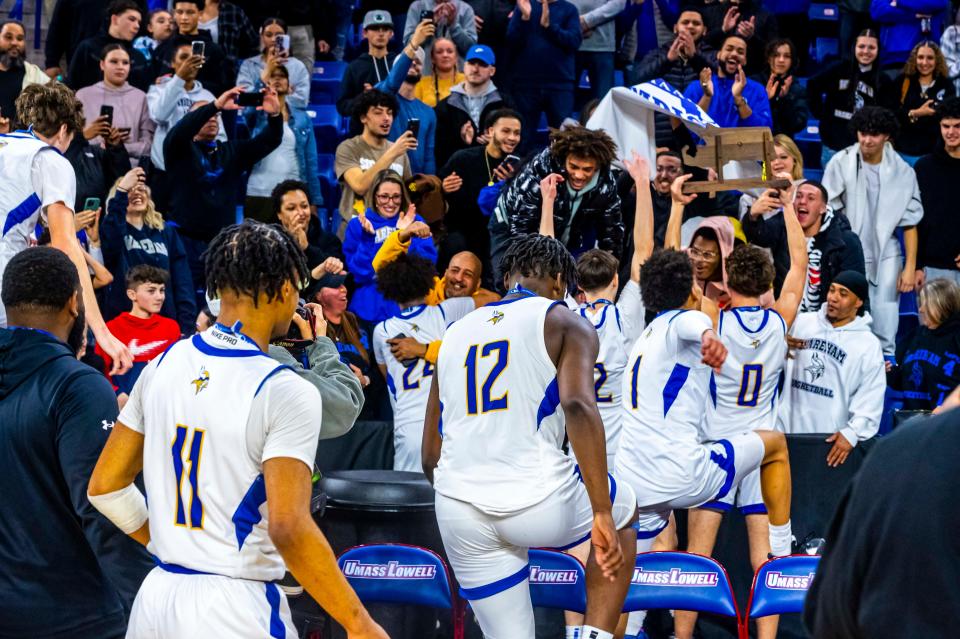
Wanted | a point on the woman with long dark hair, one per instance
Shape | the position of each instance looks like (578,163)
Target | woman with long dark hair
(788,102)
(915,95)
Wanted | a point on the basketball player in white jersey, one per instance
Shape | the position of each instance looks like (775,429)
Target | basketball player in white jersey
(510,378)
(665,389)
(407,280)
(744,394)
(226,439)
(36,182)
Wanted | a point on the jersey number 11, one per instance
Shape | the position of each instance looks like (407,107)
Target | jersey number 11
(196,450)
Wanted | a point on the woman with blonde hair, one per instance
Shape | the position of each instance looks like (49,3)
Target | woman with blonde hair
(786,159)
(133,232)
(446,73)
(916,93)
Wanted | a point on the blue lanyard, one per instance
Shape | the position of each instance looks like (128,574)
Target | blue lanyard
(520,290)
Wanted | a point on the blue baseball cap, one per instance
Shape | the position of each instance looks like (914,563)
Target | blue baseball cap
(483,53)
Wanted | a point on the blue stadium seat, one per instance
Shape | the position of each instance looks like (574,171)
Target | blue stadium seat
(681,581)
(808,141)
(824,12)
(329,186)
(557,581)
(780,587)
(813,174)
(325,82)
(326,126)
(825,48)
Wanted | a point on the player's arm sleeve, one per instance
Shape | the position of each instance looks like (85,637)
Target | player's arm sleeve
(85,413)
(389,250)
(866,402)
(690,326)
(53,180)
(456,308)
(292,411)
(632,311)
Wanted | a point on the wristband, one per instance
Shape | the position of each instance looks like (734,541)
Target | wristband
(126,508)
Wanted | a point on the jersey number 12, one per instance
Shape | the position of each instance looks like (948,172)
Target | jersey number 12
(195,451)
(487,403)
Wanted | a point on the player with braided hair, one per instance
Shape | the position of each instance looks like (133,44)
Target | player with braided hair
(220,430)
(512,377)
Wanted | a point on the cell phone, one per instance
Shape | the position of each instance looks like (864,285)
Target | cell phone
(107,111)
(405,362)
(198,47)
(282,43)
(426,14)
(91,204)
(413,126)
(251,99)
(511,161)
(125,130)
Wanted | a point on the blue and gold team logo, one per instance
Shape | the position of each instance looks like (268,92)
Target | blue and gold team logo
(414,327)
(202,380)
(495,318)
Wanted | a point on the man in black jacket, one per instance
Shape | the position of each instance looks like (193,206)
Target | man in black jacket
(831,246)
(125,18)
(370,68)
(68,572)
(217,73)
(678,63)
(747,19)
(586,211)
(206,172)
(71,23)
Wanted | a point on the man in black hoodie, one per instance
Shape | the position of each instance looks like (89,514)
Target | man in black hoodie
(370,68)
(67,571)
(125,18)
(206,172)
(937,175)
(831,246)
(71,23)
(217,73)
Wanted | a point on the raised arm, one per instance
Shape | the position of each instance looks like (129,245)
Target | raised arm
(360,180)
(548,193)
(679,202)
(791,294)
(639,170)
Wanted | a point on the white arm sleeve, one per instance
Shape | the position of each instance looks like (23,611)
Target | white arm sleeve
(690,326)
(290,409)
(632,311)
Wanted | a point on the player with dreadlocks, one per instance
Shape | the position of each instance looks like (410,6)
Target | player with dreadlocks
(492,447)
(219,430)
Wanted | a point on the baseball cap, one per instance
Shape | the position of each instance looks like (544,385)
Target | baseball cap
(329,280)
(481,52)
(377,18)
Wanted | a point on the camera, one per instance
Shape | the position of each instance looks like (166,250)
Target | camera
(293,341)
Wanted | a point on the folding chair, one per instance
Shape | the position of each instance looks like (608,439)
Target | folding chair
(557,580)
(780,587)
(401,574)
(681,581)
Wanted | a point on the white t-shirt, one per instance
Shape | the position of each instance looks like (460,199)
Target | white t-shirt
(280,165)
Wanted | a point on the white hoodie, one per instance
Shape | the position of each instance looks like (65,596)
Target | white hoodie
(168,101)
(836,382)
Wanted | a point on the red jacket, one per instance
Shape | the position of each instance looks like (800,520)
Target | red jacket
(146,339)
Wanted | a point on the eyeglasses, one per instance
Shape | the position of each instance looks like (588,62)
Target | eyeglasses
(668,169)
(386,197)
(702,255)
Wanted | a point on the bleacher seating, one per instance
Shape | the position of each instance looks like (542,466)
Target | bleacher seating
(327,125)
(325,82)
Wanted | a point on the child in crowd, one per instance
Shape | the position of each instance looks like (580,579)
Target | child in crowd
(160,27)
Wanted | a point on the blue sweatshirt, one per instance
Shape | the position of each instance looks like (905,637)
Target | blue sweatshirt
(722,109)
(67,572)
(422,159)
(124,246)
(360,248)
(900,28)
(544,58)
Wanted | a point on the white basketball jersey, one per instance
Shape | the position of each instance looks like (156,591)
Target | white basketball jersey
(663,397)
(409,384)
(212,409)
(743,396)
(501,420)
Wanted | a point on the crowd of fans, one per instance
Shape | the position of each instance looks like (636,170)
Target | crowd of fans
(198,112)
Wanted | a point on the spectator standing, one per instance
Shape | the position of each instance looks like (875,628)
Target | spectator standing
(230,28)
(788,100)
(463,116)
(786,159)
(433,88)
(386,199)
(251,70)
(844,88)
(207,172)
(371,67)
(599,43)
(143,329)
(835,378)
(916,93)
(16,73)
(731,98)
(832,247)
(747,19)
(70,23)
(125,16)
(216,71)
(133,232)
(582,191)
(543,38)
(294,159)
(130,113)
(465,175)
(858,179)
(97,168)
(644,27)
(678,62)
(904,24)
(938,253)
(160,27)
(454,20)
(928,359)
(56,414)
(361,158)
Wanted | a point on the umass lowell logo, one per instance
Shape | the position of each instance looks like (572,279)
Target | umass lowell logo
(390,570)
(677,577)
(776,580)
(548,576)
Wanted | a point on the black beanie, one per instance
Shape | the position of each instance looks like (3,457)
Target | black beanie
(856,282)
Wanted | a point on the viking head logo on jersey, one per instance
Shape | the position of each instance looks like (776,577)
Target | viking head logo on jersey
(202,380)
(816,368)
(496,317)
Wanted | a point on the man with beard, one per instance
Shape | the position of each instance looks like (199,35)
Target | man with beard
(16,74)
(464,115)
(73,573)
(467,173)
(731,98)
